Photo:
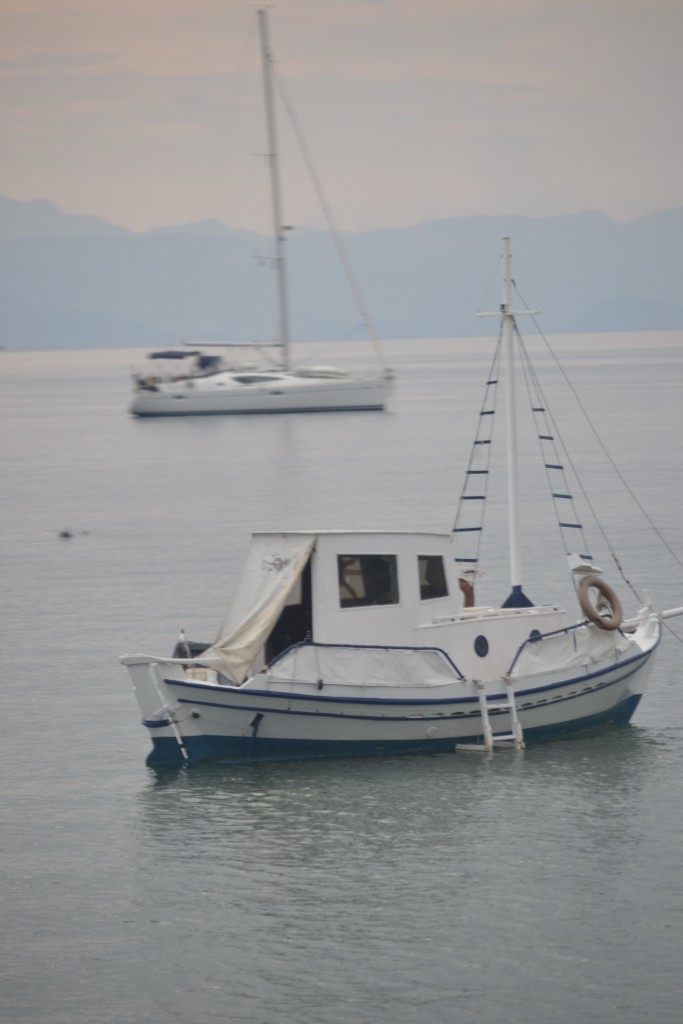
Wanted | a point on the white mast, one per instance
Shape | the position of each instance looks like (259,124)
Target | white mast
(517,598)
(278,227)
(511,422)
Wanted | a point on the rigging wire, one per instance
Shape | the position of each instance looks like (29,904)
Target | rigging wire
(610,459)
(334,230)
(335,341)
(565,449)
(603,446)
(551,436)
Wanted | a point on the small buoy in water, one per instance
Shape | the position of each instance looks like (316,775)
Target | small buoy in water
(65,534)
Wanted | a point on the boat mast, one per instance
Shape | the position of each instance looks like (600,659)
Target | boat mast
(511,423)
(517,598)
(278,227)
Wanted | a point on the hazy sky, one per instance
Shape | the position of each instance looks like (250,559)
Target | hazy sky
(149,112)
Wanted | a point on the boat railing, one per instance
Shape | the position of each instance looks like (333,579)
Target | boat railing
(536,637)
(443,655)
(156,659)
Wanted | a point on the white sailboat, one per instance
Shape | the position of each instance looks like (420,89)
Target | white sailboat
(209,385)
(368,643)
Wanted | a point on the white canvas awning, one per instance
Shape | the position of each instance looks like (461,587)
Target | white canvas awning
(580,648)
(274,563)
(363,666)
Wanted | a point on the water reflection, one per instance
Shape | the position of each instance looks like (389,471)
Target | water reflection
(436,879)
(299,809)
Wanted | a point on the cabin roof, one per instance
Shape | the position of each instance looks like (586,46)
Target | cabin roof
(350,533)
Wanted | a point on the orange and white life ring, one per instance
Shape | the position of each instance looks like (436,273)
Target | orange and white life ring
(596,612)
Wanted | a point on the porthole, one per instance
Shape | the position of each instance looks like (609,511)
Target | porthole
(481,646)
(535,634)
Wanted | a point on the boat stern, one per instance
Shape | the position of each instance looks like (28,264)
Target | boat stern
(158,716)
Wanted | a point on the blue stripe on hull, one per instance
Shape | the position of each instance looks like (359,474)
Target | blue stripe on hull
(245,749)
(630,666)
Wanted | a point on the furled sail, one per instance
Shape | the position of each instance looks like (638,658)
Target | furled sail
(274,563)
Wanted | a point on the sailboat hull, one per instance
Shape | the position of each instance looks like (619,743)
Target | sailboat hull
(288,395)
(241,725)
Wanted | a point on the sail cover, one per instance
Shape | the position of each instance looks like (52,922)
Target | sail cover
(274,563)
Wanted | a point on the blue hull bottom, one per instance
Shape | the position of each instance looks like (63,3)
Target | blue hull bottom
(247,750)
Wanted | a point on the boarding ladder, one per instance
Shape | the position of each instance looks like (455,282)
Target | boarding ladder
(512,740)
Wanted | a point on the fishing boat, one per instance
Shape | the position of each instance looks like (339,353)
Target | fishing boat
(368,643)
(210,384)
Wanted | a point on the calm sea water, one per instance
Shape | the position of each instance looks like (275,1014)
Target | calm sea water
(540,887)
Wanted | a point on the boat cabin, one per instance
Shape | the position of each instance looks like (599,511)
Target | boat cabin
(369,588)
(360,588)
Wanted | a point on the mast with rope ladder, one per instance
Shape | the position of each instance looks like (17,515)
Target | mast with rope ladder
(517,598)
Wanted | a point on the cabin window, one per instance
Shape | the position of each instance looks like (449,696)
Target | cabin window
(432,577)
(255,378)
(367,580)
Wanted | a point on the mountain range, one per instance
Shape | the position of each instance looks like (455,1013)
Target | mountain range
(77,281)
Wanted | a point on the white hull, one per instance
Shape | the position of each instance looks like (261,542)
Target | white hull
(190,720)
(290,394)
